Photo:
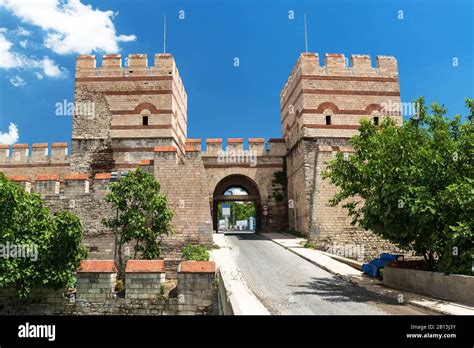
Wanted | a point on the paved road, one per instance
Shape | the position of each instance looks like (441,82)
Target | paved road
(287,284)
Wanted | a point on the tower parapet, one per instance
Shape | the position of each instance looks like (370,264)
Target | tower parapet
(329,100)
(138,106)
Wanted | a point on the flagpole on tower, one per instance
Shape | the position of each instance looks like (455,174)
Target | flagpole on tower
(305,34)
(164,35)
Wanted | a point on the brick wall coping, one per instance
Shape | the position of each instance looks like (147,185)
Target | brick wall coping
(142,266)
(197,267)
(35,146)
(147,162)
(214,140)
(20,178)
(103,176)
(235,140)
(193,141)
(59,145)
(256,140)
(191,148)
(50,177)
(165,149)
(97,266)
(76,177)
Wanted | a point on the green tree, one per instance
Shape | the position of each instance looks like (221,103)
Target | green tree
(413,184)
(141,215)
(50,244)
(242,210)
(238,211)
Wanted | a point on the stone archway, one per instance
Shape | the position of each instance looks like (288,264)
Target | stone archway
(236,181)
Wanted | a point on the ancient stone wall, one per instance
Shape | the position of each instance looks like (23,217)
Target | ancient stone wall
(123,109)
(344,90)
(220,164)
(331,226)
(320,110)
(195,293)
(183,181)
(19,160)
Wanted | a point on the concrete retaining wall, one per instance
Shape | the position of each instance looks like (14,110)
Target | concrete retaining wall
(453,287)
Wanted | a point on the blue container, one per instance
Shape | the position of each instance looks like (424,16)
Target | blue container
(378,263)
(389,257)
(371,270)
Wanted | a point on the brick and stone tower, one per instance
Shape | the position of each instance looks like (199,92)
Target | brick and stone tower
(123,112)
(320,110)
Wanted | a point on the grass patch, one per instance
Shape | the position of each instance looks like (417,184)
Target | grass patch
(309,244)
(192,252)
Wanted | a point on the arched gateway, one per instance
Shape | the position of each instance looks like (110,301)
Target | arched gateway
(236,181)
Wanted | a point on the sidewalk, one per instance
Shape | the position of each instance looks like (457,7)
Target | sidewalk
(240,297)
(356,277)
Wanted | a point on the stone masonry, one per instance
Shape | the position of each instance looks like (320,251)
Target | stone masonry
(194,294)
(320,108)
(131,114)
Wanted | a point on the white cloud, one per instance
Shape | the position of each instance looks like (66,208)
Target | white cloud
(51,69)
(20,31)
(38,75)
(70,26)
(11,136)
(17,81)
(23,43)
(10,59)
(126,38)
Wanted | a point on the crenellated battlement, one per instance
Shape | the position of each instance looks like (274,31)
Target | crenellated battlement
(115,61)
(337,64)
(19,154)
(134,65)
(72,184)
(215,147)
(134,97)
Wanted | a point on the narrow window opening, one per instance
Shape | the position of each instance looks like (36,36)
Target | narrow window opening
(145,120)
(328,120)
(376,120)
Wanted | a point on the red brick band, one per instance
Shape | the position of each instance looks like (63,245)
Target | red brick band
(331,126)
(245,165)
(139,92)
(135,112)
(132,149)
(336,78)
(34,165)
(123,78)
(158,126)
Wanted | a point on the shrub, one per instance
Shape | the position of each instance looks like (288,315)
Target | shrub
(193,252)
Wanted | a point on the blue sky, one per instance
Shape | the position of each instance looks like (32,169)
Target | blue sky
(38,47)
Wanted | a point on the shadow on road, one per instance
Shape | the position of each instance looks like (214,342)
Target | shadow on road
(336,290)
(245,235)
